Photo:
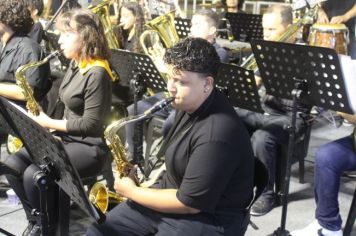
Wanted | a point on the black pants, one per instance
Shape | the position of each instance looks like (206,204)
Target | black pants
(267,135)
(132,219)
(88,161)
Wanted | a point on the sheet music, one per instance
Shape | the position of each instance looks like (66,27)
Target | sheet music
(348,70)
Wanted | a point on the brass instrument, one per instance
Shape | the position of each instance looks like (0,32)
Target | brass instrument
(99,195)
(160,28)
(250,62)
(102,10)
(13,143)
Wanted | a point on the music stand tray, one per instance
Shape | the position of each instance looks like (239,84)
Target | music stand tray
(182,27)
(130,65)
(45,150)
(306,74)
(240,87)
(245,27)
(281,64)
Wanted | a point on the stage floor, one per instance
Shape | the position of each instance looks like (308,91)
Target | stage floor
(301,199)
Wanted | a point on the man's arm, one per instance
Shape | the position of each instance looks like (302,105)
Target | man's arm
(348,117)
(344,18)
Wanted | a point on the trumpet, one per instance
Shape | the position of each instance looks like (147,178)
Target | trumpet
(99,195)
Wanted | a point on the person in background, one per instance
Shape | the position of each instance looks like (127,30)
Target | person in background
(209,178)
(267,130)
(331,161)
(233,6)
(130,26)
(36,8)
(17,50)
(85,95)
(333,12)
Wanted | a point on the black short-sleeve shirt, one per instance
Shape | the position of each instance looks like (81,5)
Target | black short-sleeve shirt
(209,159)
(21,50)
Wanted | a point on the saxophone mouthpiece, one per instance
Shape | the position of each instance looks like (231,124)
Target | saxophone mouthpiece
(53,55)
(159,106)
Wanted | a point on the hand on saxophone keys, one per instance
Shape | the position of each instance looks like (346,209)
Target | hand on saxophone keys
(125,185)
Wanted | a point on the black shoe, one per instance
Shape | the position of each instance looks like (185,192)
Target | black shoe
(32,229)
(263,205)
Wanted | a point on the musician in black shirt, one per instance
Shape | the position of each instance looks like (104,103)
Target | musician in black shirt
(267,130)
(209,160)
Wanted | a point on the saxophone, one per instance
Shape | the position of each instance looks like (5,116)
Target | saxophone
(99,194)
(31,103)
(13,143)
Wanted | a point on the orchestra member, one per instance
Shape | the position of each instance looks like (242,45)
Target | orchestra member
(331,161)
(267,130)
(86,97)
(204,25)
(131,21)
(17,50)
(333,12)
(209,178)
(233,6)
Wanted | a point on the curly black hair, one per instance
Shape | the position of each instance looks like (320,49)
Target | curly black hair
(194,55)
(15,15)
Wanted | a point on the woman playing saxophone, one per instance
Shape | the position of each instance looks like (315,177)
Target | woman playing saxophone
(86,96)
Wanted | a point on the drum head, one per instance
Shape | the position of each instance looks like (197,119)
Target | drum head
(323,27)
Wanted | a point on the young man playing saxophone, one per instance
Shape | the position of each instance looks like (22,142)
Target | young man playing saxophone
(209,178)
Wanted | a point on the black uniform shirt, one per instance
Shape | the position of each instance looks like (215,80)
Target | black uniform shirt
(210,159)
(21,50)
(87,100)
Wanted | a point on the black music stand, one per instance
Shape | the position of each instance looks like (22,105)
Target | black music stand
(182,27)
(50,156)
(140,71)
(240,87)
(310,75)
(245,27)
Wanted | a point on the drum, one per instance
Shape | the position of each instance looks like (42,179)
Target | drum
(334,36)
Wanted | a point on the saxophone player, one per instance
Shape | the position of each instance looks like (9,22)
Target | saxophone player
(18,49)
(85,93)
(209,178)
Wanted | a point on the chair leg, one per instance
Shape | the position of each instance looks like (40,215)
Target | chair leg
(351,217)
(301,169)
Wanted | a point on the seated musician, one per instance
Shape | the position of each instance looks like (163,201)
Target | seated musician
(85,94)
(204,25)
(331,160)
(209,160)
(18,50)
(130,21)
(267,130)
